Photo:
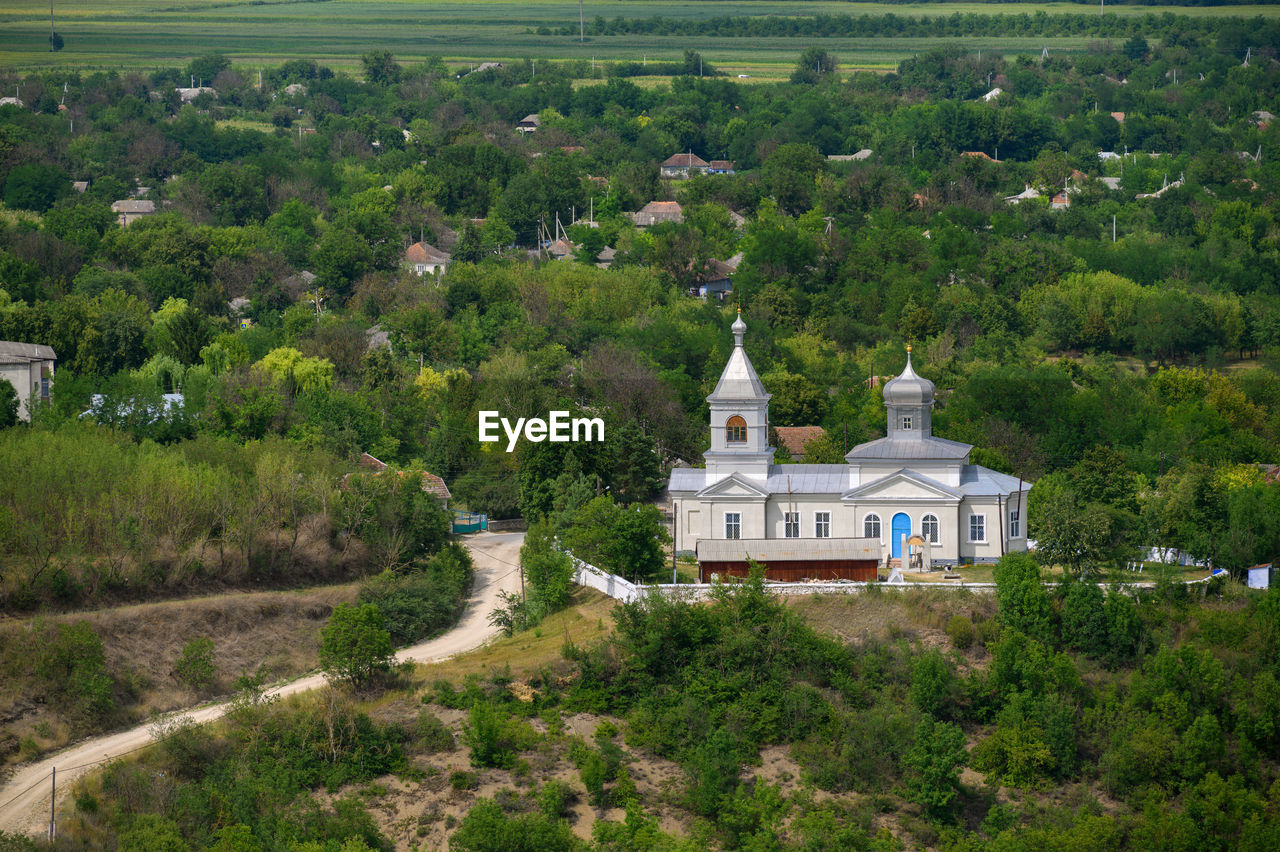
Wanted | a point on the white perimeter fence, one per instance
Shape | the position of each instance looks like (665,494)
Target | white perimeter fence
(620,588)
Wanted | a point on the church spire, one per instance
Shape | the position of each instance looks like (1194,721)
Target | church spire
(739,381)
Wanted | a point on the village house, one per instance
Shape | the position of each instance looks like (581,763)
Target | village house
(906,500)
(859,157)
(130,210)
(683,165)
(29,368)
(716,280)
(795,437)
(426,259)
(431,483)
(657,212)
(720,167)
(1028,194)
(528,124)
(187,94)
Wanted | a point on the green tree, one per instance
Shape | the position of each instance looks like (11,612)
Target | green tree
(380,67)
(547,570)
(933,764)
(934,686)
(814,66)
(626,540)
(355,645)
(8,404)
(35,186)
(1021,597)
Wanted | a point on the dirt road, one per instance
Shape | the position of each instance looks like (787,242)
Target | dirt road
(24,798)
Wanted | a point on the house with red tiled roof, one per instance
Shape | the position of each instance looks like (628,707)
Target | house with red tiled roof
(682,165)
(431,483)
(426,259)
(657,212)
(720,167)
(795,437)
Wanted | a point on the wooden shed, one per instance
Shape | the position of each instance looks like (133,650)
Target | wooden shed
(790,560)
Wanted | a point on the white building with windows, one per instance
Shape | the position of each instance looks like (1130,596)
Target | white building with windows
(908,494)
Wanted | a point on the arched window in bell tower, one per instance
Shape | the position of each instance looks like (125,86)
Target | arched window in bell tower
(735,430)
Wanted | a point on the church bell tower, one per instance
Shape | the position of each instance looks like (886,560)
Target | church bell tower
(739,418)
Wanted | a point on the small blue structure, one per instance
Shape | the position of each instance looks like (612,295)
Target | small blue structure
(469,522)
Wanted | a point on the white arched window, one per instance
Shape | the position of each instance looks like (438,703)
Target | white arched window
(929,528)
(871,526)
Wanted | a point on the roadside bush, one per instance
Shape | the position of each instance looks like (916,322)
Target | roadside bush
(355,645)
(424,600)
(1021,597)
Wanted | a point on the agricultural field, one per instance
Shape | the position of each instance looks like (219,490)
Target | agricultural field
(147,33)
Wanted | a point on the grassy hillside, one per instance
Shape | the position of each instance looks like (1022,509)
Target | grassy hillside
(157,32)
(277,633)
(877,722)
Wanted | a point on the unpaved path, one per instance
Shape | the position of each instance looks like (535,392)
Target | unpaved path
(24,798)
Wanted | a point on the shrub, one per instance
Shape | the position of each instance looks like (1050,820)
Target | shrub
(1016,756)
(432,735)
(554,799)
(960,631)
(494,737)
(194,666)
(461,779)
(487,829)
(1084,621)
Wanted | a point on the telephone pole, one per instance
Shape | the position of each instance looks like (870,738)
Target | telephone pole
(53,801)
(582,31)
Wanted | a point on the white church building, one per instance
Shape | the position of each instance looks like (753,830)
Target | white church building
(906,499)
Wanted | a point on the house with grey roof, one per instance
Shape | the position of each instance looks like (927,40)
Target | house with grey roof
(29,368)
(130,210)
(910,498)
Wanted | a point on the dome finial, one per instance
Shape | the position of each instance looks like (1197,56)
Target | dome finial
(739,329)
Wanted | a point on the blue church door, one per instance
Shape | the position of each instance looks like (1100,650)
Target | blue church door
(901,526)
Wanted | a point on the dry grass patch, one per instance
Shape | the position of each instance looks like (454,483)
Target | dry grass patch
(279,631)
(885,614)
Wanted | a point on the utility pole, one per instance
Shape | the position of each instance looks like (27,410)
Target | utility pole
(675,537)
(52,33)
(582,30)
(53,799)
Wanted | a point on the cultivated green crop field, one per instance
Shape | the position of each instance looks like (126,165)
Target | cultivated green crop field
(150,33)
